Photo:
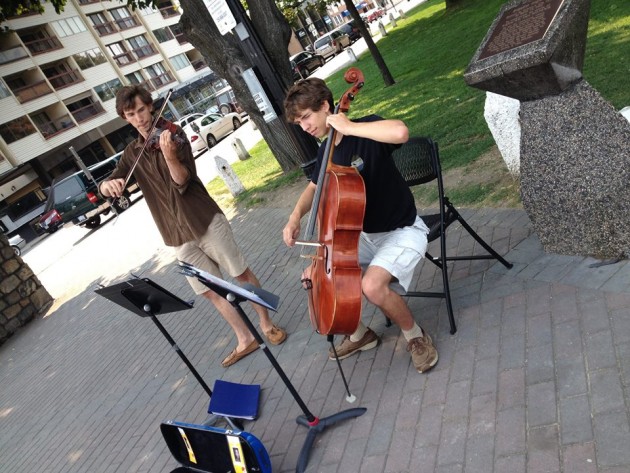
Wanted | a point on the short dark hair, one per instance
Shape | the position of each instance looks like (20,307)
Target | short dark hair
(308,93)
(126,98)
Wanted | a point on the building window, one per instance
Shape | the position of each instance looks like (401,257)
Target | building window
(148,10)
(120,54)
(123,18)
(135,78)
(163,35)
(180,61)
(68,26)
(16,129)
(101,25)
(156,70)
(141,47)
(89,58)
(120,13)
(107,91)
(4,91)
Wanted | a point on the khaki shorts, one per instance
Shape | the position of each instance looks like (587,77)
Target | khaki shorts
(398,252)
(213,251)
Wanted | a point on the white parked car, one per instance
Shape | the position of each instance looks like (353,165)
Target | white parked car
(331,43)
(205,132)
(17,243)
(186,119)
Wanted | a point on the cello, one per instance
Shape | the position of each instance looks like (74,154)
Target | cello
(334,285)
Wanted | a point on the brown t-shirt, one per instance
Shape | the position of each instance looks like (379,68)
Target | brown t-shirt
(182,213)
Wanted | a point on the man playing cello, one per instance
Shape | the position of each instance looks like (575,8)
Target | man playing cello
(394,238)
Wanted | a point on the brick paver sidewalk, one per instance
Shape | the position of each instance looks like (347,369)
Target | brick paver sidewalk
(537,378)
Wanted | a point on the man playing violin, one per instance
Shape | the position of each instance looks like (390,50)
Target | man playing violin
(394,238)
(186,216)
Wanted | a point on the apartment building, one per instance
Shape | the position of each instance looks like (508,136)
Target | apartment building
(59,74)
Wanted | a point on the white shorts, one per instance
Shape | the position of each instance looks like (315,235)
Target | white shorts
(398,252)
(214,250)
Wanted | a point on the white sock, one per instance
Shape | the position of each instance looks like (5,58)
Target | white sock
(359,332)
(414,332)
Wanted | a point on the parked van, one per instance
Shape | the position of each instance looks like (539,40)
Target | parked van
(331,43)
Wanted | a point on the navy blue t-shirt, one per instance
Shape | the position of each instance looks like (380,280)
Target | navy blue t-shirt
(389,202)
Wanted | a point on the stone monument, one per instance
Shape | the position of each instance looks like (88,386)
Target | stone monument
(574,153)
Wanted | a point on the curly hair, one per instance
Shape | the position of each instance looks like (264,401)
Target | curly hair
(304,94)
(126,98)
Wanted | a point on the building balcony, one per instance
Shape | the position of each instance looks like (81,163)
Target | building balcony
(12,54)
(55,127)
(33,91)
(65,79)
(199,64)
(144,51)
(181,39)
(89,111)
(87,2)
(104,29)
(124,59)
(147,84)
(127,23)
(41,46)
(168,12)
(162,80)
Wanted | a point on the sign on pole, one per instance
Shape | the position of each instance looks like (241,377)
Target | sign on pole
(221,14)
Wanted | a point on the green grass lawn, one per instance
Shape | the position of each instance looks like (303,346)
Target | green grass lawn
(427,54)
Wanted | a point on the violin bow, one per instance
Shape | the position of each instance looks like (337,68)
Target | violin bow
(146,141)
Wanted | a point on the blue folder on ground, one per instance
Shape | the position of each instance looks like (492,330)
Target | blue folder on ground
(234,400)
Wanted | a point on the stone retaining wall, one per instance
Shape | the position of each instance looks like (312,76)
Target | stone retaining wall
(22,296)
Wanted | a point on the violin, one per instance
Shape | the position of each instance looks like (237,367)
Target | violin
(162,124)
(334,287)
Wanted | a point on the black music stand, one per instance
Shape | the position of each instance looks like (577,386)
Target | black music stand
(147,299)
(235,295)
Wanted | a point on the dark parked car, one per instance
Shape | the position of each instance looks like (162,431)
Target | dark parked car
(75,198)
(351,30)
(304,63)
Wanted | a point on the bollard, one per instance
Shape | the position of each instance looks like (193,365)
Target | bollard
(240,150)
(353,57)
(233,183)
(381,27)
(392,20)
(401,14)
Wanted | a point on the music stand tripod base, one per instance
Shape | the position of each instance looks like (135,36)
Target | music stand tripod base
(235,295)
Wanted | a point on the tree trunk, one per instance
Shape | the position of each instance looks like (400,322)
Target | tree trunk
(388,79)
(226,57)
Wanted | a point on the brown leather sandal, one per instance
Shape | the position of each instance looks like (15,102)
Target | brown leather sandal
(235,355)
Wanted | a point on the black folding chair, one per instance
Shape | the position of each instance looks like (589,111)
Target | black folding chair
(418,161)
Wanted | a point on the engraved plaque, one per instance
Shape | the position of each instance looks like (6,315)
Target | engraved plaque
(523,24)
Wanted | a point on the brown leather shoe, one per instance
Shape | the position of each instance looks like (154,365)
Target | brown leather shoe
(235,355)
(276,335)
